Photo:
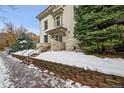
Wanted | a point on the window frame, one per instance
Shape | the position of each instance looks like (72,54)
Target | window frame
(58,21)
(59,37)
(45,38)
(45,24)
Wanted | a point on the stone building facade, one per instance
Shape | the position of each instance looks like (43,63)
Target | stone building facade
(57,28)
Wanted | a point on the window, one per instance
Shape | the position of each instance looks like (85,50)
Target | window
(52,36)
(57,20)
(59,37)
(56,37)
(46,38)
(46,25)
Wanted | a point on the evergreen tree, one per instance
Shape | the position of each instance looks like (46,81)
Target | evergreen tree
(100,28)
(23,42)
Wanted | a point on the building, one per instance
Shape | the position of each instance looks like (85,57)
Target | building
(57,28)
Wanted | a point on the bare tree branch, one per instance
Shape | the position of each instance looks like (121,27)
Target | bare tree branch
(3,18)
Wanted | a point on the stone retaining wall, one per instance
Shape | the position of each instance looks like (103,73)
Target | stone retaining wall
(85,77)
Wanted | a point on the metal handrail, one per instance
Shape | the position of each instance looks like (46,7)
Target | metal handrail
(30,53)
(24,52)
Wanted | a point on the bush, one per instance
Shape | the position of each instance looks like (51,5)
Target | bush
(23,42)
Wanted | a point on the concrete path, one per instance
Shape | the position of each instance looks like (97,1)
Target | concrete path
(21,75)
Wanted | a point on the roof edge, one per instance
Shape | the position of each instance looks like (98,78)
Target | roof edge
(38,16)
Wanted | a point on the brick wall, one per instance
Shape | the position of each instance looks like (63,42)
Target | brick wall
(85,77)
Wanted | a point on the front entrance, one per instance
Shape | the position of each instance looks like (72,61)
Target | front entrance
(57,43)
(57,38)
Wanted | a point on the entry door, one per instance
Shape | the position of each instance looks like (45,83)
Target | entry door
(46,38)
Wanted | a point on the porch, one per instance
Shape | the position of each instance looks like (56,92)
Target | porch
(53,46)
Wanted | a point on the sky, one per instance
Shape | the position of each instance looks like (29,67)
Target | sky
(23,15)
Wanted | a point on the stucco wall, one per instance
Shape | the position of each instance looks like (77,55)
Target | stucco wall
(72,45)
(50,26)
(68,22)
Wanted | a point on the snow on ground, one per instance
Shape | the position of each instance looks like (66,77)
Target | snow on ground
(15,59)
(113,66)
(4,77)
(26,52)
(54,80)
(30,76)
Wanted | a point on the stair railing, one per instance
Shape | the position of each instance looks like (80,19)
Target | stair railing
(31,53)
(24,52)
